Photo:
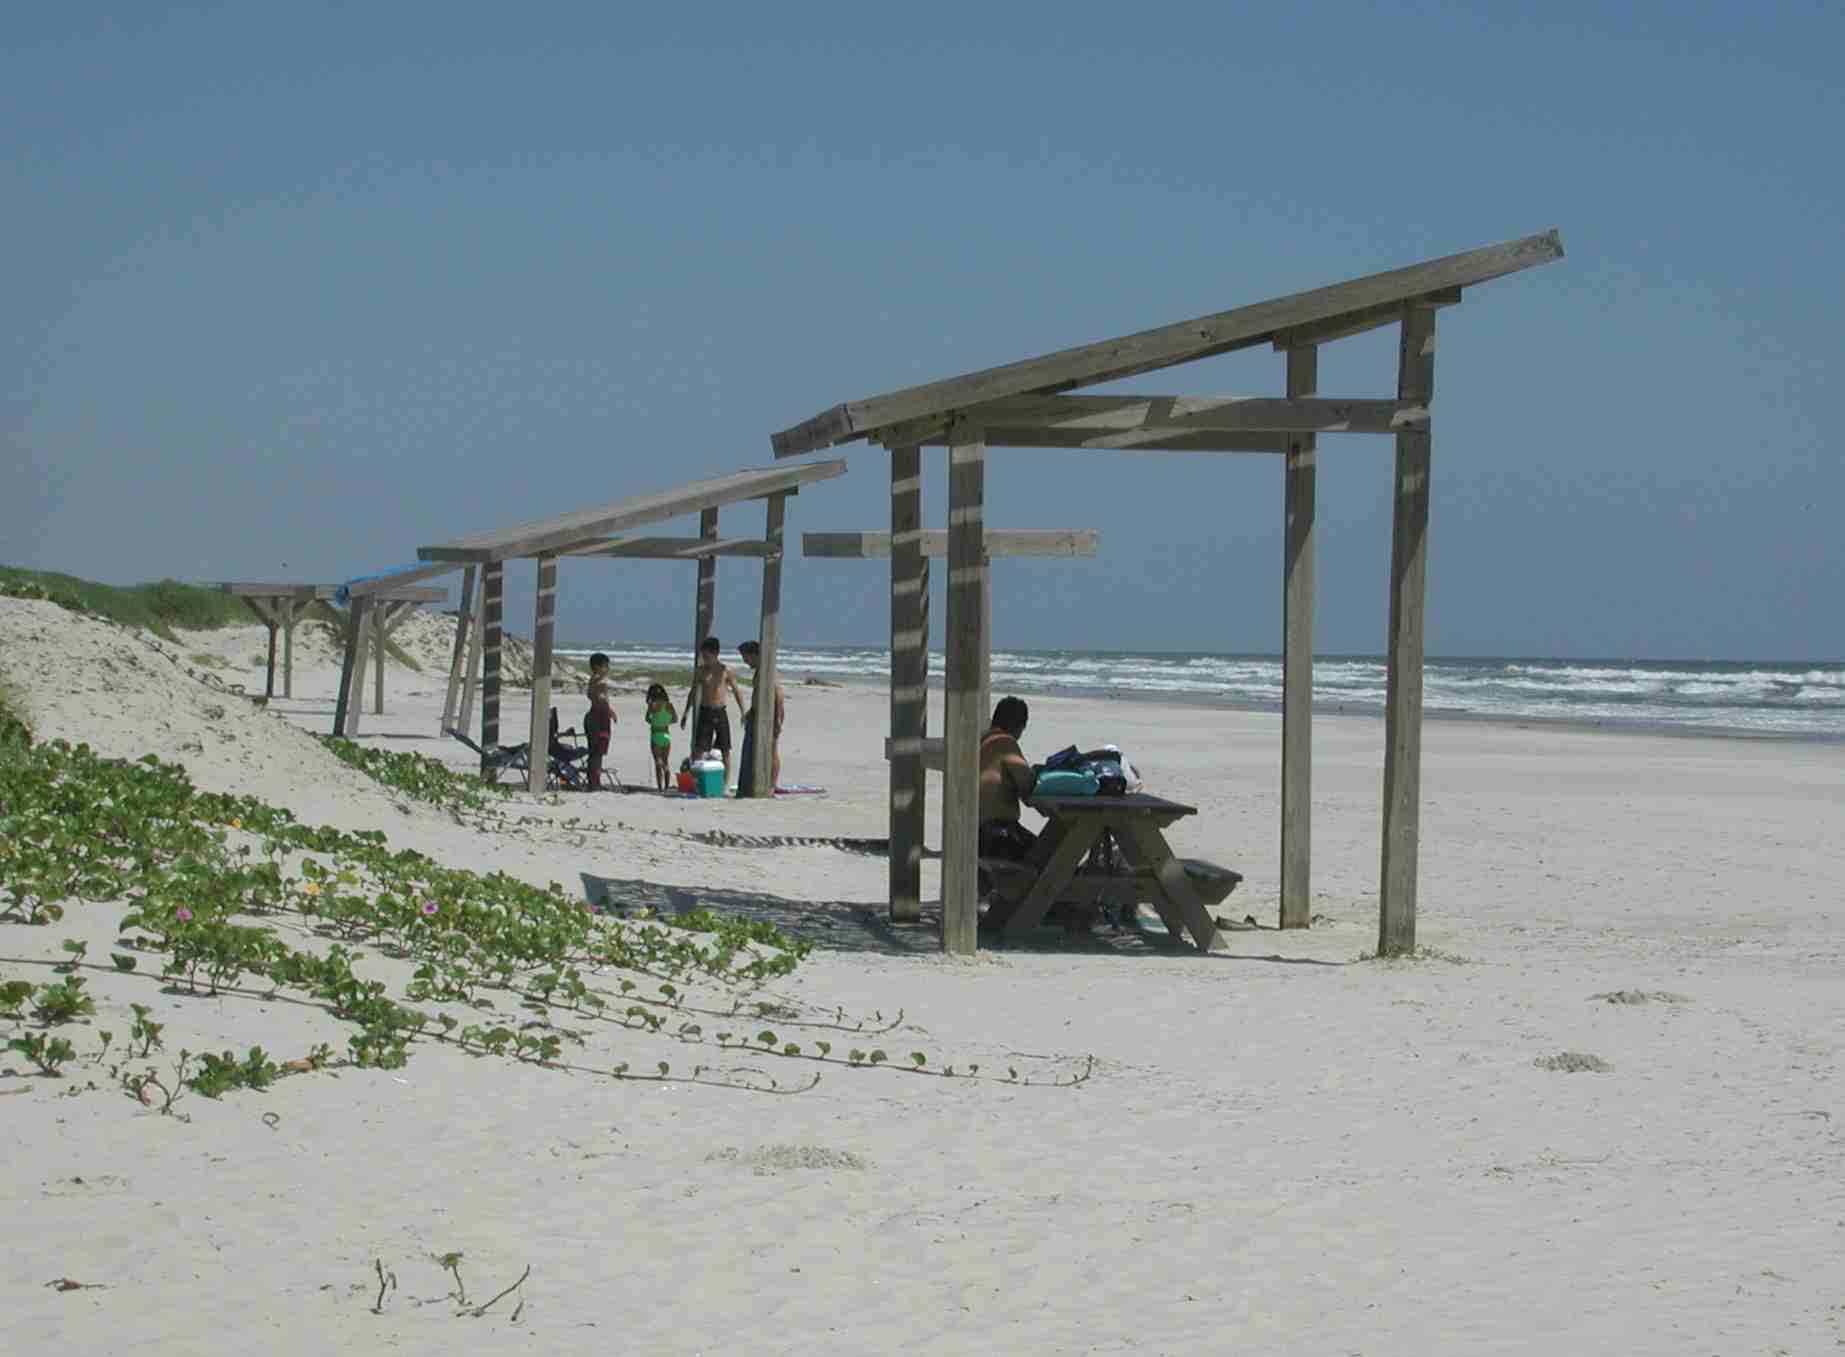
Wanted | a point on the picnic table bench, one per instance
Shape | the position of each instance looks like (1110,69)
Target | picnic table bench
(1149,873)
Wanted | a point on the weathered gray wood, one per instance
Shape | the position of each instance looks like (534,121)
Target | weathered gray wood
(1358,322)
(265,610)
(1151,850)
(300,592)
(464,629)
(1115,421)
(403,584)
(380,615)
(291,610)
(470,684)
(679,548)
(768,639)
(1297,612)
(492,603)
(964,721)
(544,619)
(1001,542)
(1071,839)
(985,703)
(1146,440)
(358,640)
(929,749)
(1150,350)
(704,608)
(549,535)
(1403,683)
(909,675)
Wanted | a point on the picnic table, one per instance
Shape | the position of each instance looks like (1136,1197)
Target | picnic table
(1024,891)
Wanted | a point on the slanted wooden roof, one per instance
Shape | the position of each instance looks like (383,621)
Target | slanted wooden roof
(1305,317)
(393,589)
(547,536)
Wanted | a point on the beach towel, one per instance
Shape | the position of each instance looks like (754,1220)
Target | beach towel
(799,789)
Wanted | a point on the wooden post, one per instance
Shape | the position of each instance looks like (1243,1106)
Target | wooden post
(291,611)
(470,683)
(464,627)
(964,720)
(704,609)
(492,596)
(1297,657)
(380,634)
(985,704)
(543,622)
(1396,926)
(352,685)
(762,691)
(909,682)
(265,613)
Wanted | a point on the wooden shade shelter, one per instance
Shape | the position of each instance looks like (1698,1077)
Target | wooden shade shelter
(1024,404)
(594,533)
(909,749)
(280,607)
(377,603)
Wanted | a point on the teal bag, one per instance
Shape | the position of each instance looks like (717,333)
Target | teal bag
(1066,782)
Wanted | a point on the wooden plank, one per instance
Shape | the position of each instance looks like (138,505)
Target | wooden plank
(704,609)
(1403,681)
(1152,850)
(544,621)
(464,629)
(358,641)
(677,548)
(929,750)
(300,592)
(1071,839)
(380,615)
(492,602)
(545,536)
(1149,440)
(290,614)
(470,684)
(934,543)
(909,678)
(964,720)
(1092,421)
(1297,613)
(1358,322)
(1150,350)
(265,609)
(768,637)
(403,583)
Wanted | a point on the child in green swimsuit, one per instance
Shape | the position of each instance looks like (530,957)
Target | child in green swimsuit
(660,718)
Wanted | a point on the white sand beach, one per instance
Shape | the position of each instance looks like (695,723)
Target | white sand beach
(1279,1148)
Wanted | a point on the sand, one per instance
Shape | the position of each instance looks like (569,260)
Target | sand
(1601,1114)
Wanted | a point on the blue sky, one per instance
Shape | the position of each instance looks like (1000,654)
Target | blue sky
(294,289)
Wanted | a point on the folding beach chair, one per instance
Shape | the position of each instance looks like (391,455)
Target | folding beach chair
(502,759)
(562,769)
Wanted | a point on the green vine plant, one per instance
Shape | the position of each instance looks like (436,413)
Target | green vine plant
(192,865)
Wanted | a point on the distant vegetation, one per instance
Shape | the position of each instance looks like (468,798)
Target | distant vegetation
(158,607)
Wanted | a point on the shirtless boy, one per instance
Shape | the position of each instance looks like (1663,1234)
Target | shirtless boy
(709,681)
(1005,781)
(599,721)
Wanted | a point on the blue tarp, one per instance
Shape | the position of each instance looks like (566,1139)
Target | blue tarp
(343,594)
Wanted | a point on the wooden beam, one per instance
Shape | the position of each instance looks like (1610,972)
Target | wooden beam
(1358,322)
(265,610)
(909,675)
(1297,609)
(492,608)
(548,536)
(1129,421)
(931,750)
(380,614)
(1025,542)
(964,721)
(768,636)
(1151,350)
(358,638)
(544,619)
(704,609)
(290,613)
(464,629)
(1396,927)
(470,684)
(676,548)
(402,583)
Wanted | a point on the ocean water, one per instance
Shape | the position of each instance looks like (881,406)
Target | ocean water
(1800,701)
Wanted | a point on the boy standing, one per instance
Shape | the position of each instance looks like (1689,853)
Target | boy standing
(599,721)
(710,680)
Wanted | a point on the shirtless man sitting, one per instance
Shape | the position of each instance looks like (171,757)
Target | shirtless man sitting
(710,680)
(1005,782)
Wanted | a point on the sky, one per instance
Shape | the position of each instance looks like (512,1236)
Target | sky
(294,289)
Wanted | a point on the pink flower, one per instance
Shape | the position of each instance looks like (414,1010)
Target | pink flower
(183,914)
(429,908)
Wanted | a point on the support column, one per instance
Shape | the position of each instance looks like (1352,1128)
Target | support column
(492,595)
(1396,927)
(985,705)
(964,720)
(291,613)
(909,683)
(352,674)
(381,633)
(543,620)
(768,637)
(470,683)
(704,609)
(464,628)
(264,610)
(1297,656)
